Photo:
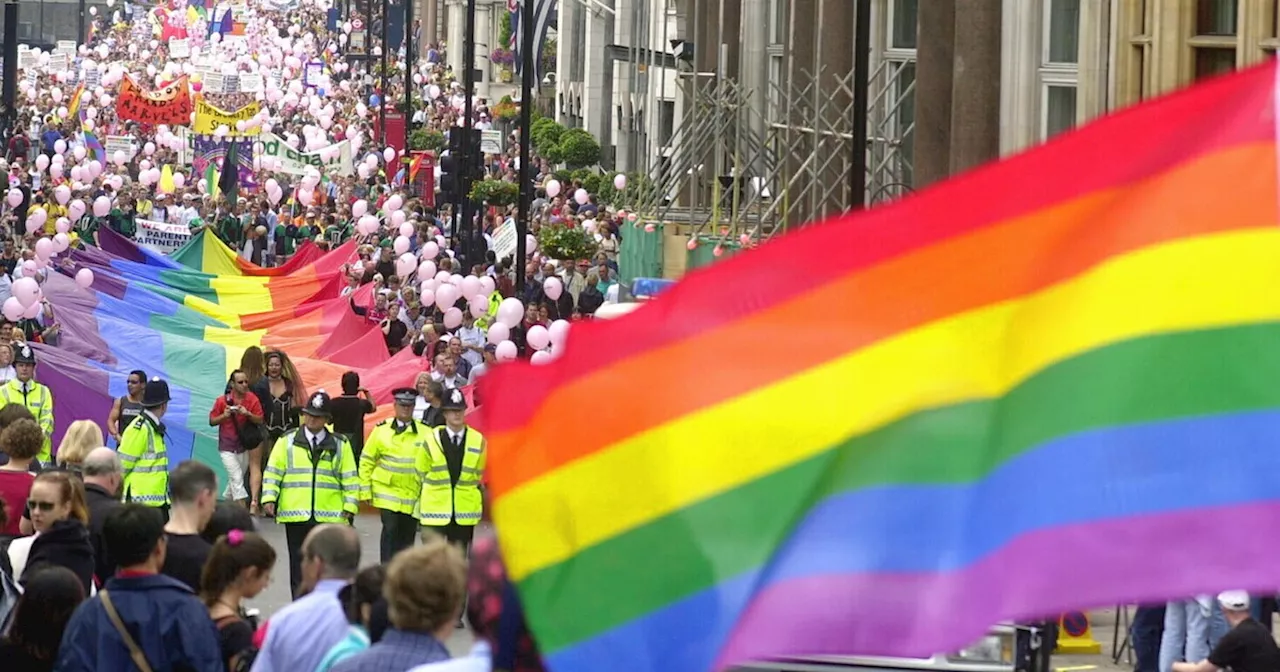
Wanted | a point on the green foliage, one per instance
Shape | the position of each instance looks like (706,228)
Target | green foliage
(591,182)
(495,192)
(639,188)
(505,29)
(579,148)
(426,140)
(558,241)
(545,135)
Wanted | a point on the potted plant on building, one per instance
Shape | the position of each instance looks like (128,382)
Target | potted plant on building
(566,243)
(495,192)
(505,59)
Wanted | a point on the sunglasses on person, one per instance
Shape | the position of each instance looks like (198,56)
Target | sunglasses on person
(40,506)
(135,381)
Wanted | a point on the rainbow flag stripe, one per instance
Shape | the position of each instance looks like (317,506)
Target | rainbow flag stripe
(145,311)
(1020,392)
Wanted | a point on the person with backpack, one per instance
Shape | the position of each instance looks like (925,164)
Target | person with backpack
(238,416)
(239,568)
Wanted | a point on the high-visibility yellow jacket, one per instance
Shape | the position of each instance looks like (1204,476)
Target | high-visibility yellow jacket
(39,400)
(442,500)
(388,466)
(145,461)
(307,482)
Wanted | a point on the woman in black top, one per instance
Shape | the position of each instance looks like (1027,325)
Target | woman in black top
(280,392)
(60,515)
(39,619)
(238,568)
(349,411)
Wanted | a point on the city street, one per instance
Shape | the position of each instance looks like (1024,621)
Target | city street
(277,596)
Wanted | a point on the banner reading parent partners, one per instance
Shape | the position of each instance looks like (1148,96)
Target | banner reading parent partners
(209,118)
(331,160)
(167,105)
(161,236)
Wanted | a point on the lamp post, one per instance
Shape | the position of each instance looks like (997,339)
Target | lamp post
(408,83)
(9,93)
(382,109)
(528,73)
(861,73)
(469,124)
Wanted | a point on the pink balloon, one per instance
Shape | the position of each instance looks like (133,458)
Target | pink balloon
(478,306)
(63,225)
(553,188)
(452,318)
(359,208)
(506,351)
(393,203)
(61,242)
(541,358)
(559,332)
(32,226)
(442,277)
(487,285)
(430,251)
(102,205)
(538,338)
(427,297)
(32,311)
(553,288)
(446,296)
(62,193)
(397,217)
(84,278)
(44,248)
(498,333)
(76,209)
(401,244)
(406,229)
(179,180)
(427,269)
(13,309)
(510,311)
(27,290)
(14,198)
(470,286)
(39,216)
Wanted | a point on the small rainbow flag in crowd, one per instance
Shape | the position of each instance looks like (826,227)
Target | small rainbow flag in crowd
(92,144)
(73,106)
(1018,393)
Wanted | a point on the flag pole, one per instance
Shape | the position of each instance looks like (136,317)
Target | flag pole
(528,71)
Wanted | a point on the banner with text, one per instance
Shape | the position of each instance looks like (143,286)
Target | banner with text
(209,118)
(331,160)
(169,105)
(161,236)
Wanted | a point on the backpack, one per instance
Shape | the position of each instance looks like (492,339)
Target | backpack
(241,661)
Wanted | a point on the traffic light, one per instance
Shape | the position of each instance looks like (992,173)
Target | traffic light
(450,177)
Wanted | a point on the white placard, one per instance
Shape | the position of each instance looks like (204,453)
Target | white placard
(92,78)
(491,142)
(161,236)
(179,48)
(212,82)
(122,143)
(504,240)
(251,82)
(58,63)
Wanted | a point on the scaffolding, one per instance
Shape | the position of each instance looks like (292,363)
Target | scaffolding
(732,168)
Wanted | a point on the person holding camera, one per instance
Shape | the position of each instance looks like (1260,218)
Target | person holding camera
(238,417)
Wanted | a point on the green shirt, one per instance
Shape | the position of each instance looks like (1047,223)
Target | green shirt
(230,231)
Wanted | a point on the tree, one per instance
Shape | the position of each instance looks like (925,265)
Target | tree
(495,192)
(425,140)
(578,148)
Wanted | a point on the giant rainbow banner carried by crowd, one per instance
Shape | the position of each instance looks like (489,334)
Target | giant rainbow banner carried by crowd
(188,318)
(1050,384)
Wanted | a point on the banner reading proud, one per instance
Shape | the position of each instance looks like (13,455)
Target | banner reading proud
(161,236)
(168,105)
(332,160)
(209,118)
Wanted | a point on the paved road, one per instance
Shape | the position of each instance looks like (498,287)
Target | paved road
(277,594)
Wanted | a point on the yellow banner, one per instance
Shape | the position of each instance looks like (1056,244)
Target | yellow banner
(209,118)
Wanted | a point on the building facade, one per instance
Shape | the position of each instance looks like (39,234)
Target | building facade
(717,90)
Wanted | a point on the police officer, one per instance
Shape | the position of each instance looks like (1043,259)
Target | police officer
(451,466)
(24,390)
(142,450)
(388,472)
(311,478)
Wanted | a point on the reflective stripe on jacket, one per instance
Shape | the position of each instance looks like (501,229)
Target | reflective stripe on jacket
(146,463)
(306,483)
(440,501)
(388,466)
(37,399)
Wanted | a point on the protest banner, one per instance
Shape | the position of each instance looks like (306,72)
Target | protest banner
(491,141)
(293,162)
(168,105)
(180,48)
(58,62)
(212,149)
(122,143)
(504,240)
(210,82)
(209,118)
(161,236)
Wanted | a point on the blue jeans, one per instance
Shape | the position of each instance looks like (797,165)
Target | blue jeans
(1191,629)
(1148,628)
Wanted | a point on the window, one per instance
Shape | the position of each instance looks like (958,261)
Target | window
(1063,40)
(1216,17)
(666,121)
(1059,109)
(1214,62)
(905,118)
(778,15)
(904,17)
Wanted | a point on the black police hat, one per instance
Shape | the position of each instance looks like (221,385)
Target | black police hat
(454,400)
(317,405)
(405,395)
(23,354)
(155,394)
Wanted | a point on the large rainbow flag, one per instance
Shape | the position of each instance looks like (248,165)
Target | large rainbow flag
(1046,385)
(146,311)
